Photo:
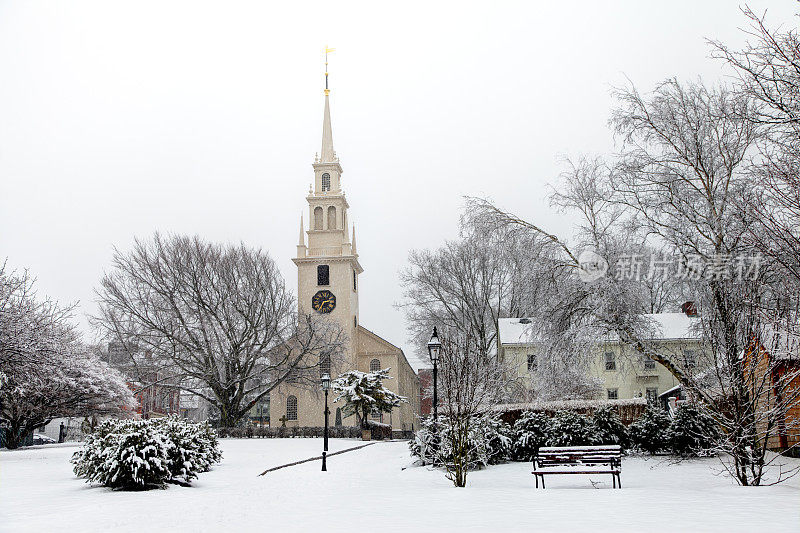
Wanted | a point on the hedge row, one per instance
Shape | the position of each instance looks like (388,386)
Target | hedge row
(491,440)
(256,432)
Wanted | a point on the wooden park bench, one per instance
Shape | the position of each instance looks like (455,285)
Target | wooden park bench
(579,460)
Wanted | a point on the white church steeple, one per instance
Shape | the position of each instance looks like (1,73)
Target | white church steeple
(328,155)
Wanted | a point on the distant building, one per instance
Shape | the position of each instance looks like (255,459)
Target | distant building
(618,371)
(425,391)
(155,390)
(781,359)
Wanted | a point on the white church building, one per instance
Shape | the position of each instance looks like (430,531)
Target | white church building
(328,270)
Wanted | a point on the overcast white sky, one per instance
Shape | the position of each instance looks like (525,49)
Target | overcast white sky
(121,118)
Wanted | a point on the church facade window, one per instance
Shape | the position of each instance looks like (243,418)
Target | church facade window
(324,364)
(317,218)
(331,217)
(374,365)
(291,407)
(326,182)
(355,283)
(323,275)
(338,416)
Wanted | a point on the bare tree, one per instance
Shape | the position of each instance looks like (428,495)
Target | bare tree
(45,371)
(681,180)
(471,383)
(768,70)
(218,317)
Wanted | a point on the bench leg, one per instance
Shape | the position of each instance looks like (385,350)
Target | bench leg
(613,481)
(536,477)
(619,482)
(542,481)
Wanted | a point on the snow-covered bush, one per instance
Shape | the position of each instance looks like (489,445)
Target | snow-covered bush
(194,449)
(422,446)
(651,432)
(692,431)
(530,433)
(609,428)
(143,454)
(568,428)
(489,442)
(498,439)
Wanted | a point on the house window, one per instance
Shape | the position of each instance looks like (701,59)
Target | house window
(323,275)
(331,217)
(652,395)
(291,408)
(531,362)
(613,394)
(326,182)
(690,358)
(649,364)
(355,284)
(317,218)
(611,364)
(374,365)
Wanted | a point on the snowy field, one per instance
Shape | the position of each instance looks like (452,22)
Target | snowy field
(377,489)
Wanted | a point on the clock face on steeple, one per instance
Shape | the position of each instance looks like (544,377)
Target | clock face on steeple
(323,301)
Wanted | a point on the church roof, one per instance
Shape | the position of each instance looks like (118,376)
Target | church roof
(391,347)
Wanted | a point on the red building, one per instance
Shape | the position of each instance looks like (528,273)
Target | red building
(425,391)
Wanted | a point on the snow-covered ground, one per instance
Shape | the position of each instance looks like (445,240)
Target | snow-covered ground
(377,489)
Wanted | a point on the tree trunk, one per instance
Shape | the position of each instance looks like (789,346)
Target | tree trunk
(15,434)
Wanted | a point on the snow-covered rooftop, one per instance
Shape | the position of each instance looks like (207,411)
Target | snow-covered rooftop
(666,326)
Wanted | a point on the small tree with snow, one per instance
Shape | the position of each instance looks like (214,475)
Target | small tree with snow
(364,393)
(692,431)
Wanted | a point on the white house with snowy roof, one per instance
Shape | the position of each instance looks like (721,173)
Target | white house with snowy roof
(617,369)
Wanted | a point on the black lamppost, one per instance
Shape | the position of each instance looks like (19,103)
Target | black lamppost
(434,347)
(326,385)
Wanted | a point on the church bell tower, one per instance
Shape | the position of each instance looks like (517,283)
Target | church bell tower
(328,266)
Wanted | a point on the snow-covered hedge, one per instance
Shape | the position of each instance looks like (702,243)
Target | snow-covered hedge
(143,454)
(530,433)
(493,441)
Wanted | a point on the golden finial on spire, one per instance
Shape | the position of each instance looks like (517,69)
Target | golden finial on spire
(327,50)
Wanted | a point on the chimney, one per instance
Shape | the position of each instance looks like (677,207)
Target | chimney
(689,308)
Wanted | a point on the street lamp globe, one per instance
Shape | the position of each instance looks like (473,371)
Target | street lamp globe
(326,381)
(434,347)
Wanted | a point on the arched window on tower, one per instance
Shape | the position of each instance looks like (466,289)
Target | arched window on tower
(291,408)
(326,182)
(317,218)
(331,217)
(374,365)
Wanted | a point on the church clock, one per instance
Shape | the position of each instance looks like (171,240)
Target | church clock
(323,301)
